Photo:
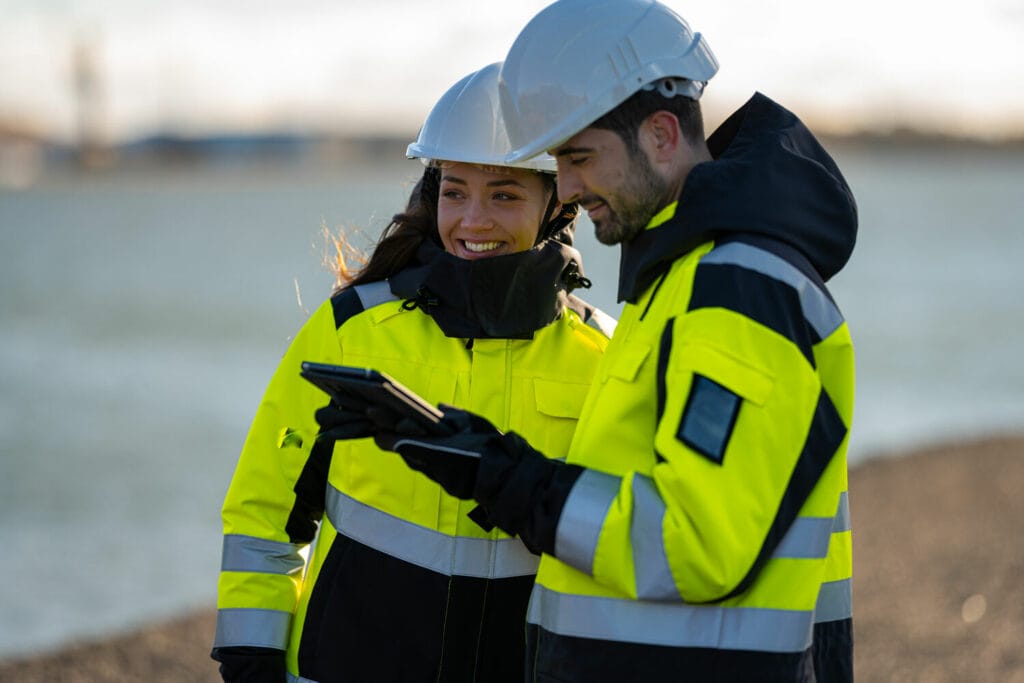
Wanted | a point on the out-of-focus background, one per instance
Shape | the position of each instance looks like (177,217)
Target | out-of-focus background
(167,171)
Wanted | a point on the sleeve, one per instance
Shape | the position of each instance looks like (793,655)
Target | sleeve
(276,498)
(744,432)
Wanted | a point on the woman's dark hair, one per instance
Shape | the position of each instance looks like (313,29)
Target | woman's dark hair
(403,236)
(399,240)
(626,118)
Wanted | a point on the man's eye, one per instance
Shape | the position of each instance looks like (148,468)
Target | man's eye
(578,161)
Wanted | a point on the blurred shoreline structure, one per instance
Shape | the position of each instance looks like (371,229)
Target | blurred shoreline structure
(30,152)
(80,130)
(28,157)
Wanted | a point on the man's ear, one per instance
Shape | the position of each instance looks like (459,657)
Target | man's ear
(660,136)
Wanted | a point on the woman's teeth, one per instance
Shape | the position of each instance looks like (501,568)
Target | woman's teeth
(480,247)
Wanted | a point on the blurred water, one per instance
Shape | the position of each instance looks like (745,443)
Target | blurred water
(142,314)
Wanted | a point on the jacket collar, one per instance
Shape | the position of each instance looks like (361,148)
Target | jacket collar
(504,297)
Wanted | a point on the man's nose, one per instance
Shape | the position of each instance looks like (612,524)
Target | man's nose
(569,186)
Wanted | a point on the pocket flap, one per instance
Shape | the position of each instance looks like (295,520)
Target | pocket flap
(741,378)
(629,358)
(559,399)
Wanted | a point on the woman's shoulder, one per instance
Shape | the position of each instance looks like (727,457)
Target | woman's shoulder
(592,316)
(351,301)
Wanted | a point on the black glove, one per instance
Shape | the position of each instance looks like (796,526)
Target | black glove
(250,664)
(340,421)
(351,419)
(450,460)
(519,490)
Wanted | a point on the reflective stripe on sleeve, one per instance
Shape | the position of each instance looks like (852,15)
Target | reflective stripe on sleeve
(819,310)
(587,505)
(241,626)
(671,624)
(374,293)
(807,538)
(253,554)
(492,558)
(835,601)
(579,525)
(653,576)
(842,520)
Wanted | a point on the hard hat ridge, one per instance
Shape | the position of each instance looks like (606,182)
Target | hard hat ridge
(577,60)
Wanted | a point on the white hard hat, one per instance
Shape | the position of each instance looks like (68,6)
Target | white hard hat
(579,59)
(466,126)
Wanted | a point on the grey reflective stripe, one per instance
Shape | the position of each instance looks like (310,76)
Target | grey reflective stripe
(449,555)
(582,518)
(671,623)
(252,627)
(835,601)
(807,538)
(253,554)
(653,576)
(586,507)
(432,446)
(292,678)
(819,310)
(842,520)
(602,322)
(374,293)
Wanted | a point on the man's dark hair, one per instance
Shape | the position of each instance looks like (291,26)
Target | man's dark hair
(626,118)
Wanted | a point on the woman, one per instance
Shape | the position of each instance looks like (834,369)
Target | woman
(466,301)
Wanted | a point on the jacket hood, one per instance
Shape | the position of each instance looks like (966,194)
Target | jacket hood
(769,177)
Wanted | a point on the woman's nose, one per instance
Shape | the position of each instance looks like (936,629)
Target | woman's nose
(477,216)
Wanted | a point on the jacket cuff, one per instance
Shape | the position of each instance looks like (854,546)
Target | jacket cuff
(524,492)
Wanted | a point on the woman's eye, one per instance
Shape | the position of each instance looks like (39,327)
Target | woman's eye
(505,196)
(451,194)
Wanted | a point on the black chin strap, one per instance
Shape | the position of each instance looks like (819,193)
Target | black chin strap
(547,225)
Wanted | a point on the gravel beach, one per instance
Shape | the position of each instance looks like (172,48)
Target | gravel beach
(938,591)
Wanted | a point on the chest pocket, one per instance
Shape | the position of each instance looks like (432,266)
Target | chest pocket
(630,358)
(557,406)
(719,386)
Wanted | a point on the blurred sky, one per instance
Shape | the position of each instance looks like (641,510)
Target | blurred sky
(376,66)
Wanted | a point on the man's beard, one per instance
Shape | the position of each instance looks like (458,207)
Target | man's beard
(640,197)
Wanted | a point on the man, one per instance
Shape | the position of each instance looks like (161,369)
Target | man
(698,528)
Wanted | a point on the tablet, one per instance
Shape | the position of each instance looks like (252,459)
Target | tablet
(346,384)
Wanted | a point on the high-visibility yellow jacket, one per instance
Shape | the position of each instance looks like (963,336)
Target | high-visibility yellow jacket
(400,583)
(708,535)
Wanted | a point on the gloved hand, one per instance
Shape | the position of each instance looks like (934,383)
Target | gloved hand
(250,664)
(519,490)
(450,460)
(350,419)
(343,421)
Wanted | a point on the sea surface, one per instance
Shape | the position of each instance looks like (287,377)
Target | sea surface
(142,313)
